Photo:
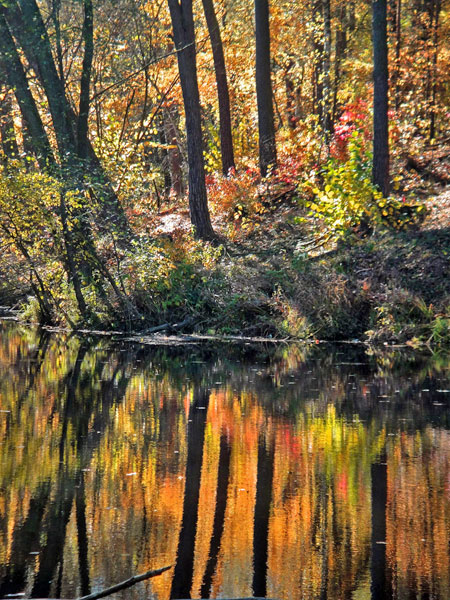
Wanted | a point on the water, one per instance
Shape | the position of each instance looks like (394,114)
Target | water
(287,473)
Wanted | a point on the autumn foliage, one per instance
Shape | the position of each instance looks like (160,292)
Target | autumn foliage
(83,216)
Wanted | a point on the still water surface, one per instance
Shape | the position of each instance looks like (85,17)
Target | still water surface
(295,473)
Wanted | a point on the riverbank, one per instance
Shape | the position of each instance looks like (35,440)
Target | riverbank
(272,280)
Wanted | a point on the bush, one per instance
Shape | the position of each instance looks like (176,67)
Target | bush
(348,201)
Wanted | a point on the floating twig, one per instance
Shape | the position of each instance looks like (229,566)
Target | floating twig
(125,584)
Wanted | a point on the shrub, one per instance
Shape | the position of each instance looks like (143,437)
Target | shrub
(348,200)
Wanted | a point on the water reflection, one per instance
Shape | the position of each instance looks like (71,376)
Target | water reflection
(287,475)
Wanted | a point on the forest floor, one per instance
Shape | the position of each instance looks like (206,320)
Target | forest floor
(274,276)
(279,280)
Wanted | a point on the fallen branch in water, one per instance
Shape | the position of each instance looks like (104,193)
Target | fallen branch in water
(125,584)
(165,326)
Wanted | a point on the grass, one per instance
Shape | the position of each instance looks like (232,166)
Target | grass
(273,279)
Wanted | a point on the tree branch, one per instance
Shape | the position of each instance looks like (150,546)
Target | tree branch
(125,584)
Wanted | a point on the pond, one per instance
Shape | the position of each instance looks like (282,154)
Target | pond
(286,472)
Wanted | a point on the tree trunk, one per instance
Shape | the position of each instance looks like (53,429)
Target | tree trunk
(184,38)
(341,47)
(380,170)
(264,95)
(29,29)
(170,117)
(37,38)
(83,113)
(352,16)
(290,97)
(7,133)
(226,137)
(434,70)
(318,50)
(398,48)
(326,68)
(17,80)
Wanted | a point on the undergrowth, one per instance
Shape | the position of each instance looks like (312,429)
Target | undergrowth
(313,251)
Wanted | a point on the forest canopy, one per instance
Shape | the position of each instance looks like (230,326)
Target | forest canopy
(312,122)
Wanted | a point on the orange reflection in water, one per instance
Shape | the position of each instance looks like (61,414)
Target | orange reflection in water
(96,445)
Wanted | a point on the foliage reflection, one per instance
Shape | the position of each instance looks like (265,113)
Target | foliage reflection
(288,475)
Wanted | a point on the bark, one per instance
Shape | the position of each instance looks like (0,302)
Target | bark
(380,170)
(123,585)
(7,133)
(37,38)
(226,137)
(318,49)
(264,94)
(17,80)
(184,38)
(352,16)
(398,49)
(39,55)
(56,9)
(290,101)
(293,87)
(326,69)
(322,65)
(434,70)
(341,47)
(175,161)
(27,142)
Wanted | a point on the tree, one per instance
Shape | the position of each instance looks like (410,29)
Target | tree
(326,70)
(34,38)
(318,50)
(380,170)
(184,38)
(397,17)
(83,112)
(27,25)
(435,24)
(7,132)
(226,137)
(340,49)
(174,158)
(17,81)
(74,162)
(264,94)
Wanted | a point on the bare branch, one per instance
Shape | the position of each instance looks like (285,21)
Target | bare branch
(125,584)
